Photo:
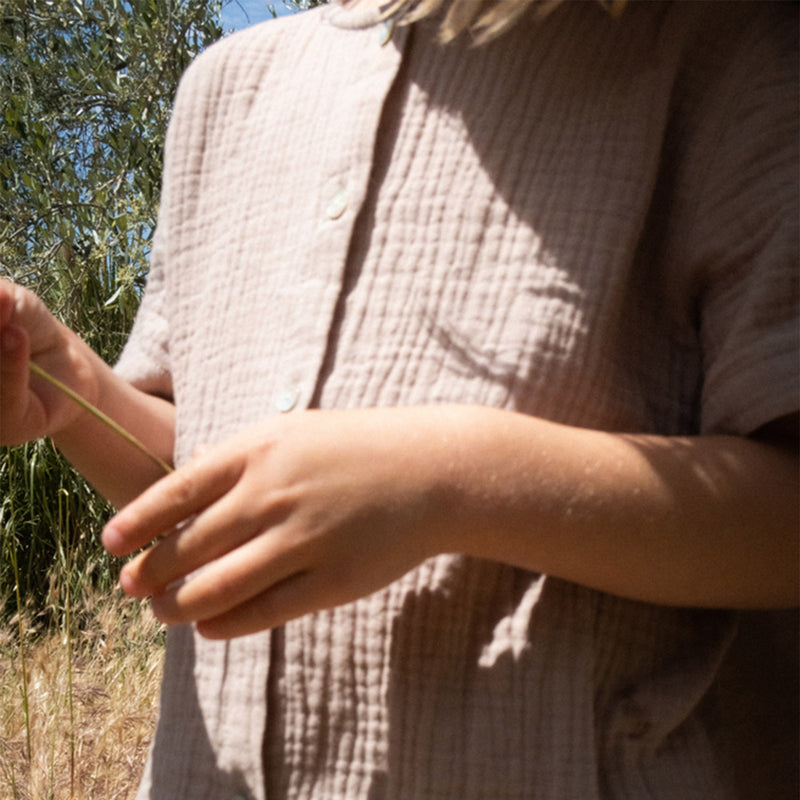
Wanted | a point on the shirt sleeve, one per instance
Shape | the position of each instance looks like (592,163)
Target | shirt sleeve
(738,212)
(145,359)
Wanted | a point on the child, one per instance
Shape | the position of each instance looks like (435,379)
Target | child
(478,364)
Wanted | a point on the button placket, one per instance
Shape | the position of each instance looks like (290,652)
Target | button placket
(343,183)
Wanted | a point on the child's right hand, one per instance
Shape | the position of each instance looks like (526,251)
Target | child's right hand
(30,407)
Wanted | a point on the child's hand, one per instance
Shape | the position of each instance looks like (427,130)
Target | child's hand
(299,513)
(30,407)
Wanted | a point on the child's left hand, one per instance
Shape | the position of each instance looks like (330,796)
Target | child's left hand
(296,514)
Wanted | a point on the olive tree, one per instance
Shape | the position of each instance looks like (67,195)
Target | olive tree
(86,90)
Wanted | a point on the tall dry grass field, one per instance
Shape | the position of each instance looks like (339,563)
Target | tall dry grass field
(77,714)
(79,664)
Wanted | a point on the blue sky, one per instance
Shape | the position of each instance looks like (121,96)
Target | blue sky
(238,14)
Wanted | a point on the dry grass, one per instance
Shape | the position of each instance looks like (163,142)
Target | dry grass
(92,703)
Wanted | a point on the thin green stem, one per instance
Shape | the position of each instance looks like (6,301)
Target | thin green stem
(66,545)
(96,412)
(23,665)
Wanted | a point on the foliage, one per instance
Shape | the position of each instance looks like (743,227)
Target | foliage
(86,89)
(303,5)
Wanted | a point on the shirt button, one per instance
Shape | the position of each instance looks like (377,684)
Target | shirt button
(286,400)
(337,204)
(385,32)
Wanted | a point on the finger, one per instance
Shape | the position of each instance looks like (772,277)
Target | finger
(16,352)
(222,527)
(230,581)
(168,503)
(14,379)
(293,597)
(6,302)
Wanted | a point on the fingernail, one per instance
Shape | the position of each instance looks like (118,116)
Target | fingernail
(128,585)
(125,581)
(112,539)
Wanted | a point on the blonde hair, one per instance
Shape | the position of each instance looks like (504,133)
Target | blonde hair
(482,19)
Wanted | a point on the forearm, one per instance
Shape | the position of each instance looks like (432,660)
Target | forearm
(32,406)
(115,467)
(311,510)
(707,521)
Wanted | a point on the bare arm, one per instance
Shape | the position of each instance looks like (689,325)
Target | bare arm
(31,408)
(315,509)
(706,520)
(116,469)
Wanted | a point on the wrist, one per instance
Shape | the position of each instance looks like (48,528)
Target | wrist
(82,369)
(463,453)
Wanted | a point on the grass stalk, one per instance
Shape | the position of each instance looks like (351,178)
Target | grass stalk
(64,527)
(26,712)
(116,666)
(96,412)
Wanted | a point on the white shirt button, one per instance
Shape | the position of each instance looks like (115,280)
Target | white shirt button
(337,204)
(385,32)
(286,399)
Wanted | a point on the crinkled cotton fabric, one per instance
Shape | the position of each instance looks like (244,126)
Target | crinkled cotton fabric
(589,220)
